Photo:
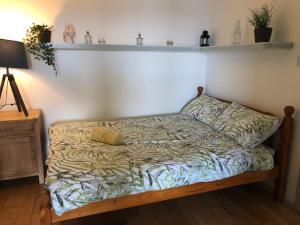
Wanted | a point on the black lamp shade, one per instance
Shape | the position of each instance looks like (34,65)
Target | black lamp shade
(12,54)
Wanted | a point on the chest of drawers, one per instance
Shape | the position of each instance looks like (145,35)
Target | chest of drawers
(21,145)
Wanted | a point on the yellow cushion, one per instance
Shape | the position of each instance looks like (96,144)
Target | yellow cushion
(107,136)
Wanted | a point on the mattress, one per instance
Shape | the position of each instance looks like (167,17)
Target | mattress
(160,152)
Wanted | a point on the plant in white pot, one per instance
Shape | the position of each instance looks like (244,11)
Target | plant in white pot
(261,19)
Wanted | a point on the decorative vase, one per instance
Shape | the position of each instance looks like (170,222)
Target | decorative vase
(263,34)
(45,36)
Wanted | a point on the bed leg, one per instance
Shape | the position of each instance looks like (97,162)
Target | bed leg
(279,189)
(284,153)
(45,208)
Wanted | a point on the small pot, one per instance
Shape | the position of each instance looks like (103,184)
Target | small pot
(45,36)
(263,34)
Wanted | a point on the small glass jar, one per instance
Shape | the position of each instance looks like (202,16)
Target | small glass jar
(101,41)
(170,42)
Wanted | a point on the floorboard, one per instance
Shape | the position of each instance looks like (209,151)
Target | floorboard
(252,208)
(246,205)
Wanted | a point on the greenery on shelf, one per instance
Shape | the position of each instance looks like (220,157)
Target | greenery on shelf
(36,44)
(262,17)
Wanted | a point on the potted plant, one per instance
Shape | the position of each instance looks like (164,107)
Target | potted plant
(37,43)
(261,19)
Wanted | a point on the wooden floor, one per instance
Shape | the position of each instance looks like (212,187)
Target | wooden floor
(247,205)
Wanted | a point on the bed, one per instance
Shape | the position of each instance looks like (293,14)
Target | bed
(163,157)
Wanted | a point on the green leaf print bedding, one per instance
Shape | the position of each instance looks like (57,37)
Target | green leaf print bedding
(159,152)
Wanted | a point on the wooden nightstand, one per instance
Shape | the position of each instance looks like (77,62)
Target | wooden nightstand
(21,146)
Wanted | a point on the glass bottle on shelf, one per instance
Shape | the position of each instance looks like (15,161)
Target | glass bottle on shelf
(237,35)
(88,39)
(139,40)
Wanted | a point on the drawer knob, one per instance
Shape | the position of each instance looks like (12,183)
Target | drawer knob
(33,155)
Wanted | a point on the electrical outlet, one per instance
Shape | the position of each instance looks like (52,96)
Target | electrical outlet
(298,60)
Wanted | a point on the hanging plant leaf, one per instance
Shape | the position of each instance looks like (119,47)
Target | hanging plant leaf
(37,44)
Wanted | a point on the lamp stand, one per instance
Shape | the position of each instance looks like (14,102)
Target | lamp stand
(15,90)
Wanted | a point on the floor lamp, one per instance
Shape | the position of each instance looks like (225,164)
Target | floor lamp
(13,55)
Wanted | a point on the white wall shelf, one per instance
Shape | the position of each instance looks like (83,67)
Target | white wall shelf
(156,48)
(124,47)
(256,46)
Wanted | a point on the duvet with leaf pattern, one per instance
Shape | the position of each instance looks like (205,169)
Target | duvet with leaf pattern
(160,152)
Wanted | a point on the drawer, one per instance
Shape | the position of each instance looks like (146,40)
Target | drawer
(17,128)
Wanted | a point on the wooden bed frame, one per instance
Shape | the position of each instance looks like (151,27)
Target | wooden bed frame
(279,172)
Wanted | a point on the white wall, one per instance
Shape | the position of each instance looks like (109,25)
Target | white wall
(268,80)
(95,84)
